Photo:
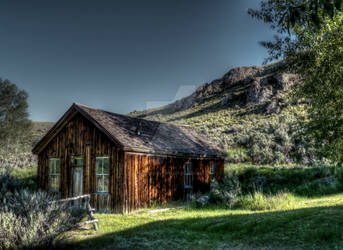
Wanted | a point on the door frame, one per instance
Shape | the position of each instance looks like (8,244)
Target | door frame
(73,168)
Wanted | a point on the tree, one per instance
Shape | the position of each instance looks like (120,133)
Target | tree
(288,18)
(312,45)
(285,14)
(14,123)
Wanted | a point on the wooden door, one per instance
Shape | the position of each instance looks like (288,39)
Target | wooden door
(77,181)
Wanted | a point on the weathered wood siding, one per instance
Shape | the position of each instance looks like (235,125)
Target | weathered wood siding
(81,138)
(149,178)
(136,180)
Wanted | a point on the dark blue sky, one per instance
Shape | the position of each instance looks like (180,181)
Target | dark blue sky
(121,55)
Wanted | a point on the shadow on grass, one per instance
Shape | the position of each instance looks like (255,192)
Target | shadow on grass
(315,228)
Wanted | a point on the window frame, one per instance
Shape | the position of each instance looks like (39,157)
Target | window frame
(102,174)
(76,158)
(188,175)
(54,174)
(213,166)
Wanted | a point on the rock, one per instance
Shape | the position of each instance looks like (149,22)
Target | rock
(226,100)
(259,91)
(246,86)
(203,200)
(236,75)
(274,107)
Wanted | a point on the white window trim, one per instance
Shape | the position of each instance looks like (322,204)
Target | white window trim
(102,174)
(54,174)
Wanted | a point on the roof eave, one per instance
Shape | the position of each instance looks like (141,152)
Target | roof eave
(221,155)
(60,124)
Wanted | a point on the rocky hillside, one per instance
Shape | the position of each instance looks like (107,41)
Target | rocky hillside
(244,86)
(248,112)
(39,129)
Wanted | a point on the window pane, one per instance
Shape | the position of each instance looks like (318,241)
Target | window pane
(188,167)
(58,167)
(51,166)
(57,183)
(106,162)
(79,161)
(98,165)
(52,183)
(99,184)
(106,183)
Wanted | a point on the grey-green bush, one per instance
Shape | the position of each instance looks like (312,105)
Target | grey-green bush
(30,219)
(225,192)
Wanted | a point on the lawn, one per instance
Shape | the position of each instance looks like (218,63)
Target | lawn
(306,223)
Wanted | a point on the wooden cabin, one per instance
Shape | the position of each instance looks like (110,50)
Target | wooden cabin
(125,163)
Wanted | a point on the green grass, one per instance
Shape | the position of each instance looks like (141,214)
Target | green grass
(307,181)
(305,223)
(294,208)
(27,177)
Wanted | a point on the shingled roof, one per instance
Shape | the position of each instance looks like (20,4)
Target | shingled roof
(145,136)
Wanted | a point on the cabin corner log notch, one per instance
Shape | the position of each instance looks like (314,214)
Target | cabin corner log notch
(125,163)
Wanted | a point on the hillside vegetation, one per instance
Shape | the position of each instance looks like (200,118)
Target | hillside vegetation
(19,155)
(250,112)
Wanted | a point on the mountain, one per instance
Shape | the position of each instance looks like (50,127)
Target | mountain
(249,112)
(39,129)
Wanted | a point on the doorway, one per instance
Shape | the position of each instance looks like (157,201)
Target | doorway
(77,176)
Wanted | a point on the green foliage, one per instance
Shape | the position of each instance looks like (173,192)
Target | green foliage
(248,135)
(14,123)
(238,154)
(299,180)
(27,177)
(30,219)
(287,16)
(315,52)
(226,192)
(322,75)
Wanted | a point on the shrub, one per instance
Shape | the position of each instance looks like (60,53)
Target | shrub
(8,184)
(30,219)
(300,180)
(225,192)
(237,155)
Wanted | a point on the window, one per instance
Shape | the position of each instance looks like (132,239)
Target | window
(77,161)
(212,171)
(188,175)
(54,174)
(102,174)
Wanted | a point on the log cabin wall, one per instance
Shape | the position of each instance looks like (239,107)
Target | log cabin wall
(81,138)
(136,180)
(149,178)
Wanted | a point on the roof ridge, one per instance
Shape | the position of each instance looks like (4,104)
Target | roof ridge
(148,137)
